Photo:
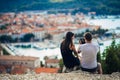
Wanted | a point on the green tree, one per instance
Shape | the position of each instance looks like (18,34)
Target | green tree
(46,57)
(99,57)
(28,37)
(61,65)
(41,63)
(85,6)
(48,36)
(112,58)
(100,32)
(3,27)
(5,38)
(5,52)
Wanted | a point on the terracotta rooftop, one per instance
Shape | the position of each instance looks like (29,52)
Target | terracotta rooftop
(46,70)
(24,58)
(26,30)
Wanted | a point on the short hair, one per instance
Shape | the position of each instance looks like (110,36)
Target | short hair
(82,40)
(88,36)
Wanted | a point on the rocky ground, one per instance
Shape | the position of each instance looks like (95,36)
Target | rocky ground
(61,76)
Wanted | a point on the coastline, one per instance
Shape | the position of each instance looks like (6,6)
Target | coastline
(46,50)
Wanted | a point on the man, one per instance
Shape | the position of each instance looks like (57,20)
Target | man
(89,55)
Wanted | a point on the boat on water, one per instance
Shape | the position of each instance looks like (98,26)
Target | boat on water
(23,46)
(35,46)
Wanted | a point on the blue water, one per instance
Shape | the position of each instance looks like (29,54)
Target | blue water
(105,23)
(108,43)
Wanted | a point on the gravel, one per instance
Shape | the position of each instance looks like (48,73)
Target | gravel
(61,76)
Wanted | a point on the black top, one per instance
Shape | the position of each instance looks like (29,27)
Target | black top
(68,58)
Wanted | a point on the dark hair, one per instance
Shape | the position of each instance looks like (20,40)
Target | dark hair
(88,36)
(82,40)
(68,40)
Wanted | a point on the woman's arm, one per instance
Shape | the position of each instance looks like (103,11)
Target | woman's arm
(78,50)
(74,50)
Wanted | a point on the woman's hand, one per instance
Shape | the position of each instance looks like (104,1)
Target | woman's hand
(74,50)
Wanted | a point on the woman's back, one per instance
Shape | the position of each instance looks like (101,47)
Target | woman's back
(68,58)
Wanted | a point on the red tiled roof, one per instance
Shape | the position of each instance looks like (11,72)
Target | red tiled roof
(52,29)
(46,70)
(20,58)
(26,30)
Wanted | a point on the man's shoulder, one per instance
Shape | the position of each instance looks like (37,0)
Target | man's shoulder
(83,44)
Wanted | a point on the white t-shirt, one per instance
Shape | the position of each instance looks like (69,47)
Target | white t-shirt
(89,55)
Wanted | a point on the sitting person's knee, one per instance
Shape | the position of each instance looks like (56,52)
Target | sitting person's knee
(99,64)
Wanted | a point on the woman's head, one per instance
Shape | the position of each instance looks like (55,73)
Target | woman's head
(69,36)
(68,40)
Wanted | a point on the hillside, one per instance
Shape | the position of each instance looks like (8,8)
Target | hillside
(99,6)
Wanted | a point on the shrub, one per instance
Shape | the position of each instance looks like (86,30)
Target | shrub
(111,62)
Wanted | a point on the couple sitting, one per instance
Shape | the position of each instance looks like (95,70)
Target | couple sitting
(88,51)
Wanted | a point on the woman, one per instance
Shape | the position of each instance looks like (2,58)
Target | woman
(67,48)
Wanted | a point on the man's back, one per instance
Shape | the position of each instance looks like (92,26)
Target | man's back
(89,54)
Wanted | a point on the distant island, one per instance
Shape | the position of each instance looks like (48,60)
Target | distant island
(105,7)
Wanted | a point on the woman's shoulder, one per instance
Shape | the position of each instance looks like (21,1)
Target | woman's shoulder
(71,46)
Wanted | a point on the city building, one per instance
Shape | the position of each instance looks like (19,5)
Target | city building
(31,62)
(52,63)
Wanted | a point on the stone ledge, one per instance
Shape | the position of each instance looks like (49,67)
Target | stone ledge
(61,76)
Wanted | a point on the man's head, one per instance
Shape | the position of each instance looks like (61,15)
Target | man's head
(88,36)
